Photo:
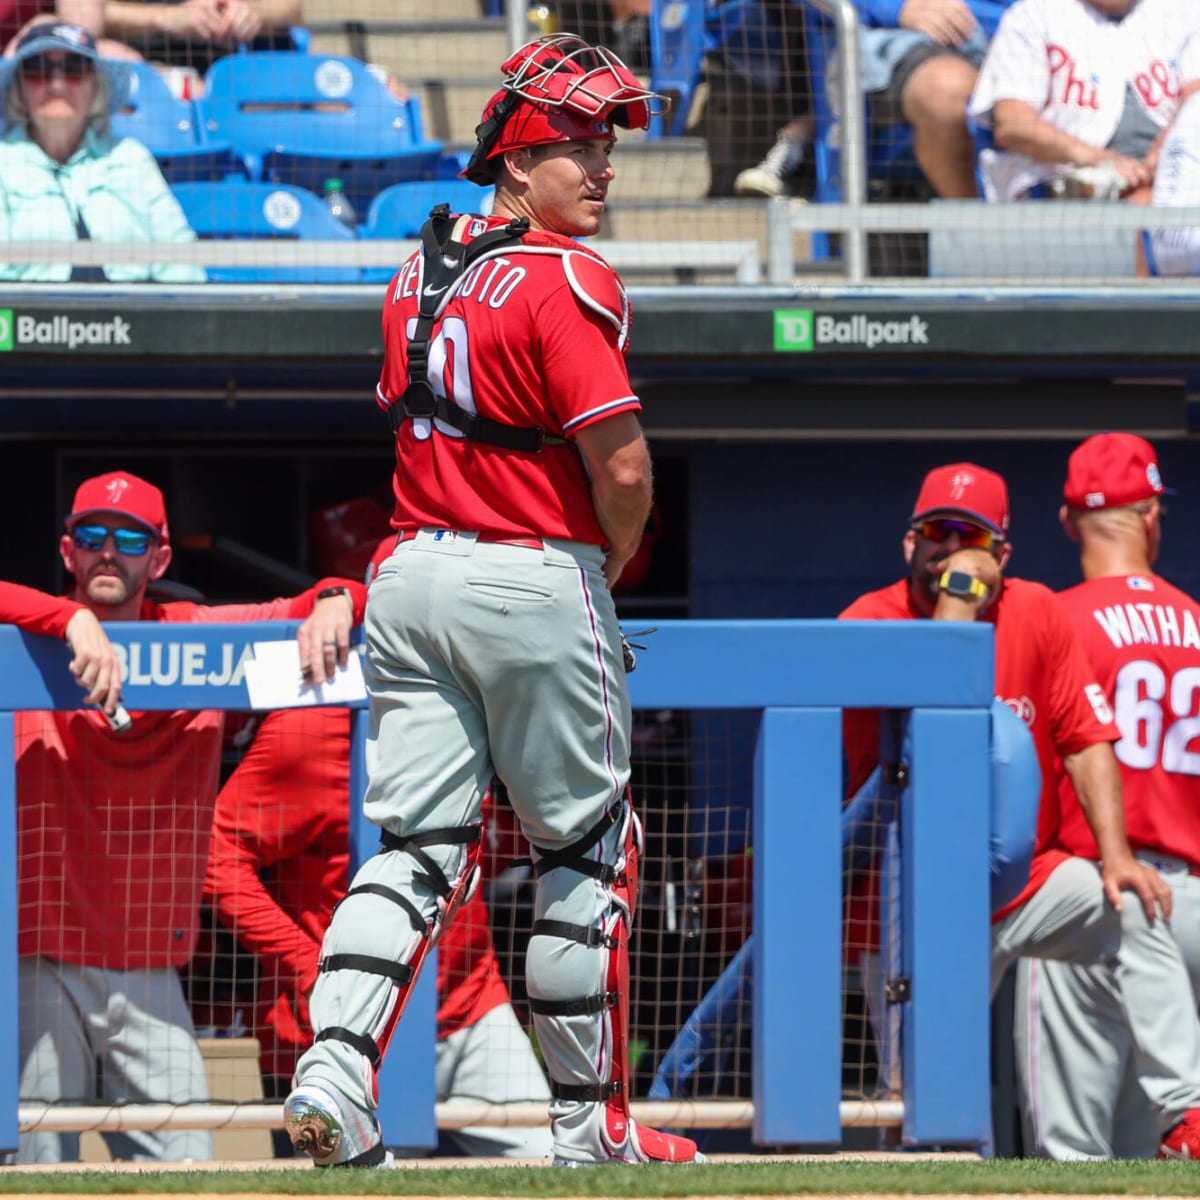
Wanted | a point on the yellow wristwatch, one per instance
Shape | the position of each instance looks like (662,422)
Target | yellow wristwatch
(959,583)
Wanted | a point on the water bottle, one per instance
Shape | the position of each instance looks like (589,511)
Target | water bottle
(339,205)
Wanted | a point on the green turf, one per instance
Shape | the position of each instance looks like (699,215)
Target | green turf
(727,1179)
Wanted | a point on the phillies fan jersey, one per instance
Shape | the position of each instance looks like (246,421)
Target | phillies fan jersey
(35,611)
(1041,674)
(533,335)
(113,829)
(279,864)
(1142,637)
(1078,69)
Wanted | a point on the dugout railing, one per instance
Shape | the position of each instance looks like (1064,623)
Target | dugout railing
(796,677)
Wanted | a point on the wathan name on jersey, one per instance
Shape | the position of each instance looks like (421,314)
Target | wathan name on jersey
(1140,623)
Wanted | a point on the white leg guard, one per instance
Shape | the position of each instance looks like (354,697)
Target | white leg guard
(577,972)
(398,905)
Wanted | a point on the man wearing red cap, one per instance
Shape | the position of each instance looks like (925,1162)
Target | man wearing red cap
(1142,637)
(112,839)
(522,487)
(1072,907)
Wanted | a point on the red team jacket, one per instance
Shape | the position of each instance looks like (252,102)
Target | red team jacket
(1142,637)
(543,346)
(1041,674)
(279,864)
(35,611)
(113,830)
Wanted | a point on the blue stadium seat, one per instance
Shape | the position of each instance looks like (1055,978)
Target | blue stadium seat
(241,208)
(401,210)
(682,32)
(304,118)
(171,130)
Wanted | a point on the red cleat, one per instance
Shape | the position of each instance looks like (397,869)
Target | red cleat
(1183,1139)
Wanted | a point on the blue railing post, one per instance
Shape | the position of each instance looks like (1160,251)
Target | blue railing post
(945,883)
(798,942)
(9,1064)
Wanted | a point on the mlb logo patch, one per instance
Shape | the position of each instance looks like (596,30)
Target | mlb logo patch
(445,535)
(1139,583)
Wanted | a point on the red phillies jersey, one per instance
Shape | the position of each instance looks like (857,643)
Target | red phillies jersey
(35,611)
(113,830)
(278,865)
(533,336)
(1041,674)
(1142,637)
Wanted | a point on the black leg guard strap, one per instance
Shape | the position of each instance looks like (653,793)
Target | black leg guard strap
(585,1091)
(368,1158)
(433,877)
(396,972)
(588,1006)
(585,935)
(366,1046)
(378,889)
(569,856)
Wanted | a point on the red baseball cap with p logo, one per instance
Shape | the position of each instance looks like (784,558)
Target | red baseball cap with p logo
(127,495)
(1112,470)
(966,490)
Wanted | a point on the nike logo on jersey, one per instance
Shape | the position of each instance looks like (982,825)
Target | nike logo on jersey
(432,291)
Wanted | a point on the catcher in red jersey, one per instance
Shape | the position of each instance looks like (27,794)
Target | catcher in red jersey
(522,487)
(1077,1073)
(1074,907)
(112,840)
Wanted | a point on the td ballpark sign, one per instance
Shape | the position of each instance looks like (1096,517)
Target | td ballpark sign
(800,329)
(60,331)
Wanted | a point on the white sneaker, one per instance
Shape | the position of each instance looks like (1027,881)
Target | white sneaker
(317,1125)
(768,178)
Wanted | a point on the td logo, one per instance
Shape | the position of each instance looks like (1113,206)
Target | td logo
(6,329)
(793,329)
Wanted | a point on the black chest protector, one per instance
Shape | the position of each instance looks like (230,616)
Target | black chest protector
(446,261)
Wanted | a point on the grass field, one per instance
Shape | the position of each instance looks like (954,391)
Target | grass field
(731,1179)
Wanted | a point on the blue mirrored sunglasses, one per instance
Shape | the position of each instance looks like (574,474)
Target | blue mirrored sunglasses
(127,541)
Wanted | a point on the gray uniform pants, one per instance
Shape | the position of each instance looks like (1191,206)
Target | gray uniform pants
(1099,1051)
(483,659)
(92,1036)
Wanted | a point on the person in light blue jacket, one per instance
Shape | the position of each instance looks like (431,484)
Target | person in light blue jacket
(63,177)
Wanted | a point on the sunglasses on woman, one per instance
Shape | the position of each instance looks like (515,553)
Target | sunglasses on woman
(127,541)
(970,535)
(42,67)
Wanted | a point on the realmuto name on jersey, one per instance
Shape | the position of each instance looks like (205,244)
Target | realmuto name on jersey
(1131,624)
(491,281)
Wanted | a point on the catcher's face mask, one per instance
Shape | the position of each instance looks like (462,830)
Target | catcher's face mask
(559,89)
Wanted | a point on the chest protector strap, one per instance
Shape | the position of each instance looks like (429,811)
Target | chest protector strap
(446,260)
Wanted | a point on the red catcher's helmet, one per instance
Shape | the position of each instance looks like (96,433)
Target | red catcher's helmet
(559,89)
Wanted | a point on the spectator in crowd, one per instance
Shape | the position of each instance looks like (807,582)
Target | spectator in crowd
(193,34)
(1078,95)
(63,177)
(94,662)
(1078,1076)
(112,842)
(1072,907)
(514,552)
(1177,185)
(15,14)
(920,62)
(277,868)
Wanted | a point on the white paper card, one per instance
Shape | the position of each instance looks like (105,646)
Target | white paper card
(273,678)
